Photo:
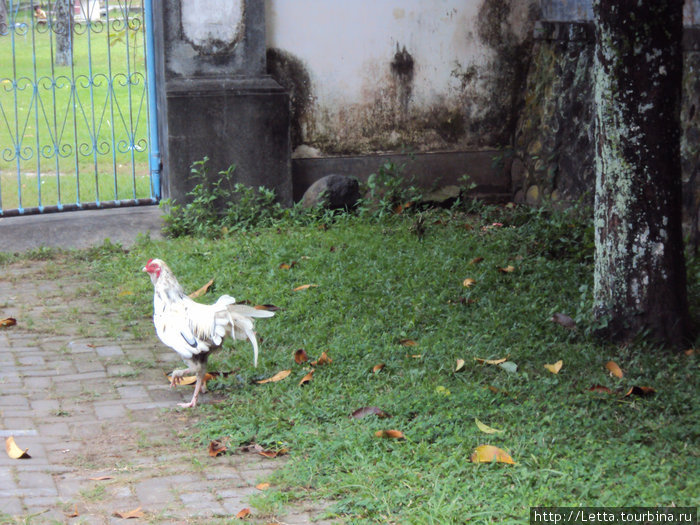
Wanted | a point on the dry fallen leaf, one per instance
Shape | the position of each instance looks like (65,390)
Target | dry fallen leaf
(279,376)
(286,266)
(191,380)
(101,478)
(377,368)
(485,428)
(490,361)
(563,320)
(640,391)
(476,260)
(468,282)
(130,514)
(600,389)
(507,269)
(216,448)
(300,356)
(407,342)
(689,352)
(555,367)
(489,453)
(304,287)
(75,512)
(389,434)
(323,360)
(269,307)
(459,365)
(262,486)
(9,321)
(273,453)
(243,513)
(307,377)
(614,369)
(369,411)
(204,289)
(14,451)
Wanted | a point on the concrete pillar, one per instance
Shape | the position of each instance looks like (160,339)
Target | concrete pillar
(215,98)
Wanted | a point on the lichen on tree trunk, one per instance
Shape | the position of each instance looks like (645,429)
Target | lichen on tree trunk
(63,27)
(640,279)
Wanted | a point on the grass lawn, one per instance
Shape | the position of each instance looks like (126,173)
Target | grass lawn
(90,119)
(378,284)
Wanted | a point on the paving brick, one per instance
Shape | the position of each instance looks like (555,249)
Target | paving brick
(11,505)
(109,411)
(109,351)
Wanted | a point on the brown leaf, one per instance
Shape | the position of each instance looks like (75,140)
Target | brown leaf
(369,411)
(389,434)
(459,365)
(640,391)
(497,390)
(269,307)
(75,512)
(304,287)
(323,360)
(243,513)
(377,368)
(300,356)
(689,352)
(204,289)
(489,453)
(507,269)
(191,380)
(476,260)
(555,367)
(273,453)
(600,389)
(13,451)
(130,514)
(262,486)
(407,342)
(490,361)
(563,320)
(468,282)
(306,378)
(101,478)
(279,376)
(7,322)
(614,369)
(216,448)
(285,266)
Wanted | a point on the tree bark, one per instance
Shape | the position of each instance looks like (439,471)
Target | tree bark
(640,279)
(3,17)
(63,27)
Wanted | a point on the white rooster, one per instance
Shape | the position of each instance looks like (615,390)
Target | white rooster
(194,330)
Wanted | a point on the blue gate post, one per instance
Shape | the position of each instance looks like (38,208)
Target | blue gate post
(154,148)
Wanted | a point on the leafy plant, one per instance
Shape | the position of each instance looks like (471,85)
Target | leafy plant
(388,189)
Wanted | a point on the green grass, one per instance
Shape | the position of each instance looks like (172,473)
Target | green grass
(379,283)
(81,123)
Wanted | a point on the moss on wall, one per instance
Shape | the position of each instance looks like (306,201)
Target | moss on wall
(553,143)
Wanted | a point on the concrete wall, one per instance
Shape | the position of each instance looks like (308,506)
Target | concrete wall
(373,76)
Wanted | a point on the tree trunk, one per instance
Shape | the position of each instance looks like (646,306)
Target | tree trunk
(63,27)
(3,17)
(640,280)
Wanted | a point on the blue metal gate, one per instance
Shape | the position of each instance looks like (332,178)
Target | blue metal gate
(77,131)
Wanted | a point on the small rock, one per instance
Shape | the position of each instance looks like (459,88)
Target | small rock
(443,195)
(332,192)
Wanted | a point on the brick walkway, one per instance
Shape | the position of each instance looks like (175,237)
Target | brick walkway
(89,406)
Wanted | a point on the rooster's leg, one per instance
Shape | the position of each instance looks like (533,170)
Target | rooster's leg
(197,389)
(198,365)
(177,376)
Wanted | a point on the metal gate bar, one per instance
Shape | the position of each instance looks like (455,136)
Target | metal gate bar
(109,112)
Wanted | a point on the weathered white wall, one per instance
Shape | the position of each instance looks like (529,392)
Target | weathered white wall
(362,93)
